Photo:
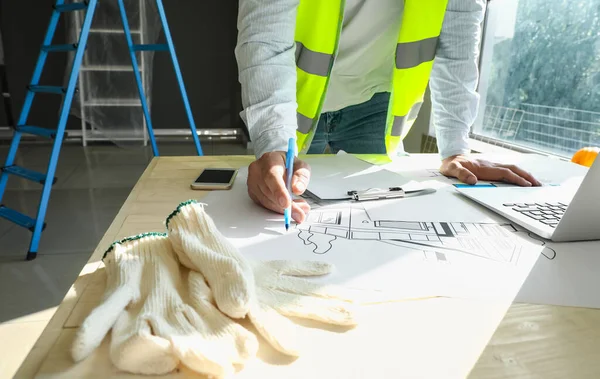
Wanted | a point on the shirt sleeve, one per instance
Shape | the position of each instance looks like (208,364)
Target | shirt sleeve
(455,74)
(265,53)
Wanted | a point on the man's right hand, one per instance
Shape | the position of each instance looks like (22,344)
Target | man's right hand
(267,186)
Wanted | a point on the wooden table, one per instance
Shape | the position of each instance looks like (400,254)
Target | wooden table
(438,338)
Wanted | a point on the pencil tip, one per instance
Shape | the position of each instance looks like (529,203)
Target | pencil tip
(286,228)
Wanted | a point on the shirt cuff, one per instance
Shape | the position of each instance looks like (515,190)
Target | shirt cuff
(452,143)
(274,140)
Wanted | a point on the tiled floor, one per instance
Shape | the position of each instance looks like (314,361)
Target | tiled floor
(92,185)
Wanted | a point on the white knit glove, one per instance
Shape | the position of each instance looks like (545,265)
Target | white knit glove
(280,291)
(200,249)
(153,328)
(265,290)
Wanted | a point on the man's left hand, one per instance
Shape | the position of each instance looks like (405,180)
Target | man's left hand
(470,170)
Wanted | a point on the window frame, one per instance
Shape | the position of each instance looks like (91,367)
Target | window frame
(486,50)
(486,53)
(484,143)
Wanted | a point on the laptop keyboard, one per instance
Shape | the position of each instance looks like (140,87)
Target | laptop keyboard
(546,213)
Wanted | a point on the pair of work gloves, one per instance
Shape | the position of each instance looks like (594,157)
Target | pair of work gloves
(172,298)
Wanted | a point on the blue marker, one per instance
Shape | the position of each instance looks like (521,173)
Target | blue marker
(478,185)
(289,166)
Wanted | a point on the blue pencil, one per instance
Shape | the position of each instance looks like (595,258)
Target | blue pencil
(289,166)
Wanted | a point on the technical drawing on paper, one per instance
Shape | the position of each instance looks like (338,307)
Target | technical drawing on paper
(499,242)
(433,173)
(425,173)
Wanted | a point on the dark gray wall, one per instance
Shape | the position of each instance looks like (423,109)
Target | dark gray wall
(204,34)
(24,25)
(412,142)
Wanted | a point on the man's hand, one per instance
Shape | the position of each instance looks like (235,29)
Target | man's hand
(469,170)
(267,187)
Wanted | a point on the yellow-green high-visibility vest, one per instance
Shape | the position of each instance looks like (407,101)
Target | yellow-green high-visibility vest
(318,28)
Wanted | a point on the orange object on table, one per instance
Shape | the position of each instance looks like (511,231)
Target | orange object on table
(586,156)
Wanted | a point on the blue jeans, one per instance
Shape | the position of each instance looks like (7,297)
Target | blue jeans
(357,129)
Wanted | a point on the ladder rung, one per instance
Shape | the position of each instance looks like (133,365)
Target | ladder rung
(71,7)
(18,218)
(36,130)
(135,102)
(47,89)
(150,47)
(109,68)
(56,48)
(26,173)
(111,31)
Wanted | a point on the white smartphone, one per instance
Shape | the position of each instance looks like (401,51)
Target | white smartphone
(215,179)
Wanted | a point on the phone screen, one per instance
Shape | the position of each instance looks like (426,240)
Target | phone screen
(220,176)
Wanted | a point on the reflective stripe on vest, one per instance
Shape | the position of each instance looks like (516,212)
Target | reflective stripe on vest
(312,62)
(304,123)
(400,122)
(318,26)
(415,51)
(411,54)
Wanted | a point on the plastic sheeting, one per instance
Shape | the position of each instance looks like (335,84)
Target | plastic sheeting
(108,98)
(1,48)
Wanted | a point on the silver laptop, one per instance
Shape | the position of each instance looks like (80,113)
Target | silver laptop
(558,213)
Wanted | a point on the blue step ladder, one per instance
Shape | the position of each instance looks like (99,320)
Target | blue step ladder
(37,225)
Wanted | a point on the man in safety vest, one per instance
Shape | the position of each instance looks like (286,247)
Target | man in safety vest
(350,75)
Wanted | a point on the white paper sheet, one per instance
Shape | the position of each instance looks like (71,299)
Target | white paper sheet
(547,170)
(411,250)
(333,177)
(568,276)
(565,274)
(381,254)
